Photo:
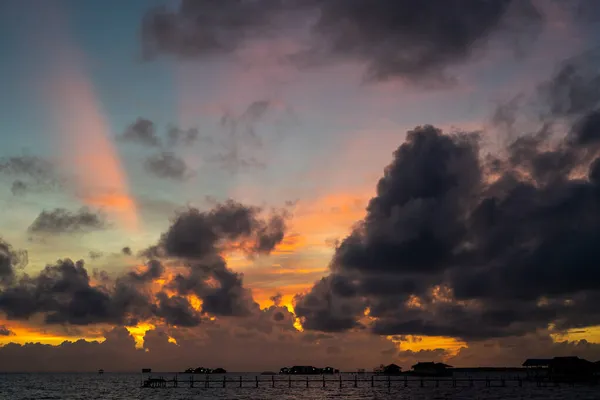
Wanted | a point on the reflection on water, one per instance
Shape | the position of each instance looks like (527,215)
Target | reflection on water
(111,386)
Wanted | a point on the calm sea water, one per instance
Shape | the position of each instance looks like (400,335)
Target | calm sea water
(127,386)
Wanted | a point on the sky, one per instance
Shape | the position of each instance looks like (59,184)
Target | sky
(264,183)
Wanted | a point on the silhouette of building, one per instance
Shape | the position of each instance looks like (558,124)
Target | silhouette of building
(537,367)
(560,368)
(392,369)
(431,369)
(571,369)
(307,370)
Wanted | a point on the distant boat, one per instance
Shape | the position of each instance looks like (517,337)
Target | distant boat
(100,371)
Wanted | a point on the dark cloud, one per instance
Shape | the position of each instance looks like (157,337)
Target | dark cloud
(61,220)
(177,311)
(195,234)
(63,294)
(200,28)
(18,188)
(413,40)
(233,148)
(220,289)
(240,140)
(32,172)
(185,137)
(276,299)
(575,88)
(4,331)
(142,131)
(94,255)
(10,259)
(199,237)
(168,165)
(154,270)
(32,166)
(126,250)
(455,245)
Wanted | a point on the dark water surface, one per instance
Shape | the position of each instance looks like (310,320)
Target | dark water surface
(111,386)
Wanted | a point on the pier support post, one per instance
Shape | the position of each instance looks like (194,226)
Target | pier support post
(272,380)
(405,381)
(191,381)
(240,381)
(437,383)
(256,377)
(453,382)
(355,380)
(421,382)
(307,382)
(389,382)
(289,381)
(372,380)
(323,380)
(340,381)
(206,383)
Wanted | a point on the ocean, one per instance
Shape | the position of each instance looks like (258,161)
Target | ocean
(113,386)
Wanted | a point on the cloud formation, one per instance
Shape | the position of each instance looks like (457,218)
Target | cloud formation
(65,293)
(168,165)
(199,238)
(31,172)
(142,132)
(61,220)
(412,40)
(4,331)
(460,244)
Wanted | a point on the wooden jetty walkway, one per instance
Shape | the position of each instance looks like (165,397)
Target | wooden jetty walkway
(355,381)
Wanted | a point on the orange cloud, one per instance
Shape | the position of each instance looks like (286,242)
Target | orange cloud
(262,295)
(290,244)
(26,333)
(328,217)
(418,343)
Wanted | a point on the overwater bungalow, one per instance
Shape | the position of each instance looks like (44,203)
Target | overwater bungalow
(307,370)
(571,369)
(431,369)
(392,369)
(567,369)
(536,368)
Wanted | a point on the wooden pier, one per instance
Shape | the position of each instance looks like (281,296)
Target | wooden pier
(374,381)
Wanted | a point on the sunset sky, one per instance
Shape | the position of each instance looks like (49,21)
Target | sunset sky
(259,183)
